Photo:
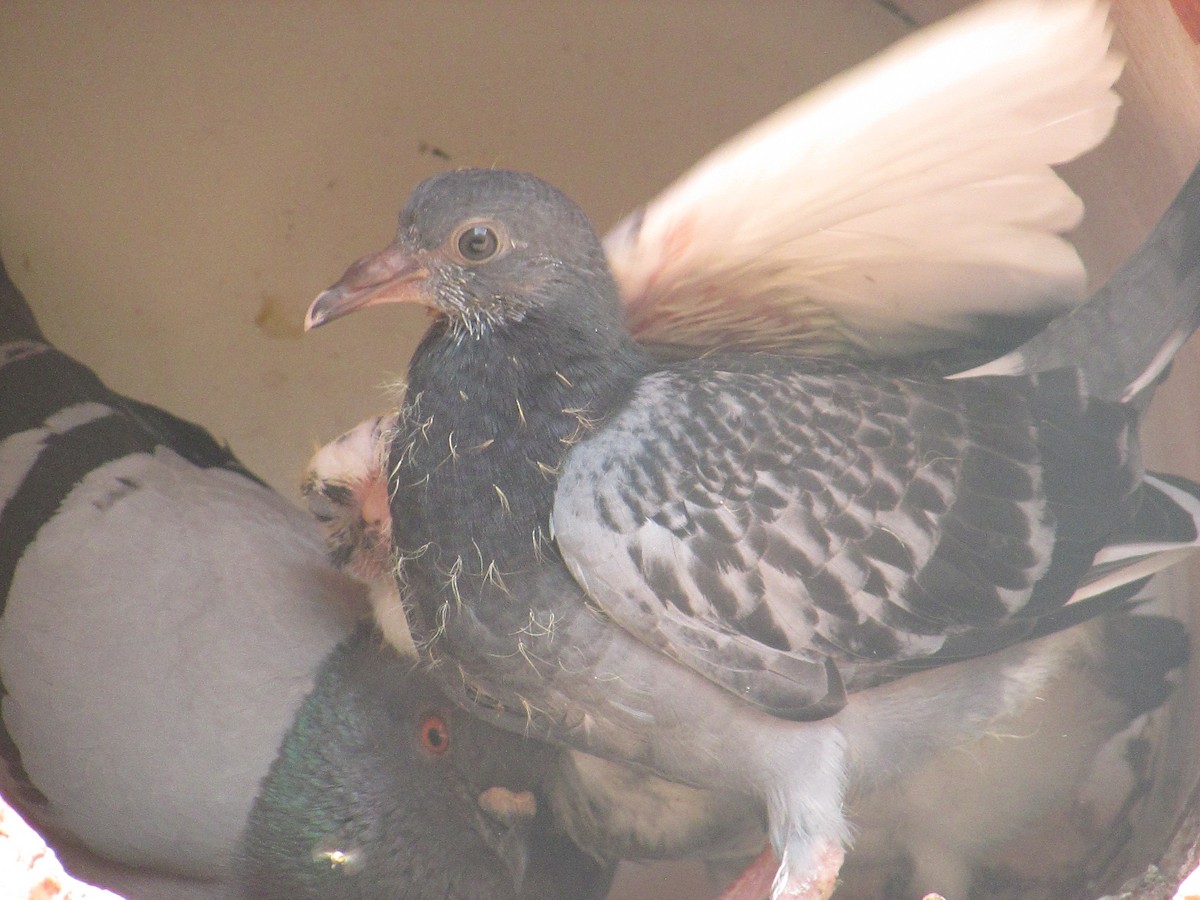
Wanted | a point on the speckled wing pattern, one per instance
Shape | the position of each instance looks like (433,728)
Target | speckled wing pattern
(792,532)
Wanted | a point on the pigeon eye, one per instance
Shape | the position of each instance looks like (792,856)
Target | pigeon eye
(435,734)
(478,243)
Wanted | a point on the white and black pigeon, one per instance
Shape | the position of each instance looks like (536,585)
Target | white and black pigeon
(782,575)
(165,617)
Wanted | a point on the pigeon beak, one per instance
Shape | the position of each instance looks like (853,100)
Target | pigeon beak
(393,275)
(512,814)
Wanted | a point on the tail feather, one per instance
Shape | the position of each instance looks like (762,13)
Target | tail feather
(16,318)
(41,387)
(1125,336)
(1165,530)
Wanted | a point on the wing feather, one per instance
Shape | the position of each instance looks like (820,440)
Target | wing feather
(893,209)
(790,528)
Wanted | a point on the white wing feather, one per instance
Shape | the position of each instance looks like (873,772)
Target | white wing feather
(887,209)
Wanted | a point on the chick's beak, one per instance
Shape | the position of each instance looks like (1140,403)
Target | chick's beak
(509,815)
(393,275)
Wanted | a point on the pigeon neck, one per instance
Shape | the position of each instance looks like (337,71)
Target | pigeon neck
(484,429)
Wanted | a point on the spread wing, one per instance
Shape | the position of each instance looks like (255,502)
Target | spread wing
(787,530)
(904,206)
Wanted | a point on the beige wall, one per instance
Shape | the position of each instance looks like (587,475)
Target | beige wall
(178,180)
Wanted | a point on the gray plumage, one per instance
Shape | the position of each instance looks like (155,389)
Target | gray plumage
(788,555)
(164,614)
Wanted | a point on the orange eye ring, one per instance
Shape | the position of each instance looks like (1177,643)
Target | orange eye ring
(435,734)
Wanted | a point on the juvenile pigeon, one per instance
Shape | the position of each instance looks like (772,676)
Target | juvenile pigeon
(954,247)
(776,585)
(1112,674)
(164,618)
(780,575)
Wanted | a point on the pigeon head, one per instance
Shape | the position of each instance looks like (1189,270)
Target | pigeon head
(383,788)
(484,248)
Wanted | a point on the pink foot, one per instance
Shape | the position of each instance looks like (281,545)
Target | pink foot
(760,879)
(817,884)
(756,879)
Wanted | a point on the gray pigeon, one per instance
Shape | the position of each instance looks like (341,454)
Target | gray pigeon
(384,789)
(164,618)
(144,572)
(780,575)
(912,836)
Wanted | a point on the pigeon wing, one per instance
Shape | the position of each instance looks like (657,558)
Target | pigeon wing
(904,206)
(792,530)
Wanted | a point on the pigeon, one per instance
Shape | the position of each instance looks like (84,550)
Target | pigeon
(783,575)
(142,570)
(956,248)
(1117,674)
(702,615)
(345,811)
(168,623)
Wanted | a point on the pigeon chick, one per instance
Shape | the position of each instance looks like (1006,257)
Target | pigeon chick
(383,789)
(346,490)
(164,619)
(782,576)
